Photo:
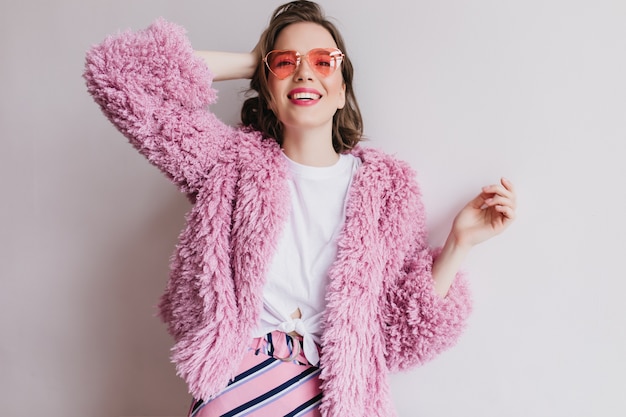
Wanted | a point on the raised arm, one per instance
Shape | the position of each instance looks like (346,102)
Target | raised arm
(229,65)
(429,302)
(486,216)
(155,90)
(419,322)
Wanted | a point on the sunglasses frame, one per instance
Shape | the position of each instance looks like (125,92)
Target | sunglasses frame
(333,52)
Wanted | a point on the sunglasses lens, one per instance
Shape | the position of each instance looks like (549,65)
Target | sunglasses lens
(282,63)
(324,61)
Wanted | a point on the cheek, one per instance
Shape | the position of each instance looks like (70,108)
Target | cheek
(337,89)
(273,93)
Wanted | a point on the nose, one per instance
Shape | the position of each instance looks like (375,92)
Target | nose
(303,71)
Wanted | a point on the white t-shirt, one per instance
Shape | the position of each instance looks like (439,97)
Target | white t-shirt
(298,274)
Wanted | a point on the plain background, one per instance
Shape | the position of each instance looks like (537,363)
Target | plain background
(466,91)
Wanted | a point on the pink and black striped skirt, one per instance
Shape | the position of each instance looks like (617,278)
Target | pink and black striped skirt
(274,379)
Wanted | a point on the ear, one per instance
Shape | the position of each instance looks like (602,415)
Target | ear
(342,97)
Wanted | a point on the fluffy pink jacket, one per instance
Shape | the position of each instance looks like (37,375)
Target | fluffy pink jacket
(382,313)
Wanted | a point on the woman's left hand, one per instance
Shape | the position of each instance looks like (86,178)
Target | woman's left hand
(487,215)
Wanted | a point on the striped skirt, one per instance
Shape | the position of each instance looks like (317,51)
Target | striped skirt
(274,379)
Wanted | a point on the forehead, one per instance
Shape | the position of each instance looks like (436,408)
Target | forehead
(303,37)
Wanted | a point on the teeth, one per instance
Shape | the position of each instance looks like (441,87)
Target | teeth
(305,96)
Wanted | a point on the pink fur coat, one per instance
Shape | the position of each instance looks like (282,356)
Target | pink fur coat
(382,313)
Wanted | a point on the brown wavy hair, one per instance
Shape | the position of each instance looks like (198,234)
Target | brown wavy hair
(256,113)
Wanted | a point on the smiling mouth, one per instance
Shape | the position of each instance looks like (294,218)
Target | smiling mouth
(304,96)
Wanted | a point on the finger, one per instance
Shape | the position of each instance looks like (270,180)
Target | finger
(478,201)
(500,200)
(496,189)
(503,190)
(507,184)
(506,211)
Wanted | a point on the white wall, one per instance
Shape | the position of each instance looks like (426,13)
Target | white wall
(465,91)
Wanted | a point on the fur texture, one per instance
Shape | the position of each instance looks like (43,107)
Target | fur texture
(382,315)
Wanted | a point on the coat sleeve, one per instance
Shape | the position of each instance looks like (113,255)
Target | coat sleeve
(419,323)
(153,88)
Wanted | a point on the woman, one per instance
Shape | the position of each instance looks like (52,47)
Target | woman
(303,275)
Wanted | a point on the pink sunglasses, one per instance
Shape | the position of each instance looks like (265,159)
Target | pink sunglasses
(283,63)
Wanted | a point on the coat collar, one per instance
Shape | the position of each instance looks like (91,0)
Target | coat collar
(262,208)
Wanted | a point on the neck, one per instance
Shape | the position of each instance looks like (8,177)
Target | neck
(312,147)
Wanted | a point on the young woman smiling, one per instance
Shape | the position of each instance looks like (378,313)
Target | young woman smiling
(303,276)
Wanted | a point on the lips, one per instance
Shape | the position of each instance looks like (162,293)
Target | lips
(304,94)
